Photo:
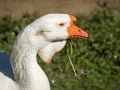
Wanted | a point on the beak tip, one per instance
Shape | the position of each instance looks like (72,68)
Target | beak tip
(86,35)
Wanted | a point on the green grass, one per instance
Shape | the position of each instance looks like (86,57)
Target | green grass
(97,59)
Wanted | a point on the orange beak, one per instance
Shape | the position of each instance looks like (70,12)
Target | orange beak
(75,32)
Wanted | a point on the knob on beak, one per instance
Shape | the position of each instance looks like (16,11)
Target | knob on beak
(74,31)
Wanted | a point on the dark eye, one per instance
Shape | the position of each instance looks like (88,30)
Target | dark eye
(62,24)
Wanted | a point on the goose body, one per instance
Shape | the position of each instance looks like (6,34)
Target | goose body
(45,36)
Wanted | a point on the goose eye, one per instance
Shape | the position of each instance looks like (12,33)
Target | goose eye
(62,24)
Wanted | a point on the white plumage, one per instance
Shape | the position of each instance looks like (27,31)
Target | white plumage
(44,37)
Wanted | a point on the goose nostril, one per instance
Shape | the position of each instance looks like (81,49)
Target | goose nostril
(79,30)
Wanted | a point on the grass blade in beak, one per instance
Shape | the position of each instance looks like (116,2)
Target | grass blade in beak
(69,54)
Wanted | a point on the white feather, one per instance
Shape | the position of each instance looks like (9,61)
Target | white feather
(28,75)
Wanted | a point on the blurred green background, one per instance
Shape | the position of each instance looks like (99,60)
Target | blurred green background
(96,59)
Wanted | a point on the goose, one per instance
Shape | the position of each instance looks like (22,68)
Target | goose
(45,36)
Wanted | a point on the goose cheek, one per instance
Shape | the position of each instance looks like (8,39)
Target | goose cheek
(38,33)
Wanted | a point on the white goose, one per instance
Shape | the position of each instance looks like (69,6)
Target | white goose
(45,36)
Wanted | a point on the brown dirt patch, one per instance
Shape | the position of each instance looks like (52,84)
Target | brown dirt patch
(17,7)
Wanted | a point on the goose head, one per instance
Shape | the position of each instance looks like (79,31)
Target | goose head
(48,34)
(59,27)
